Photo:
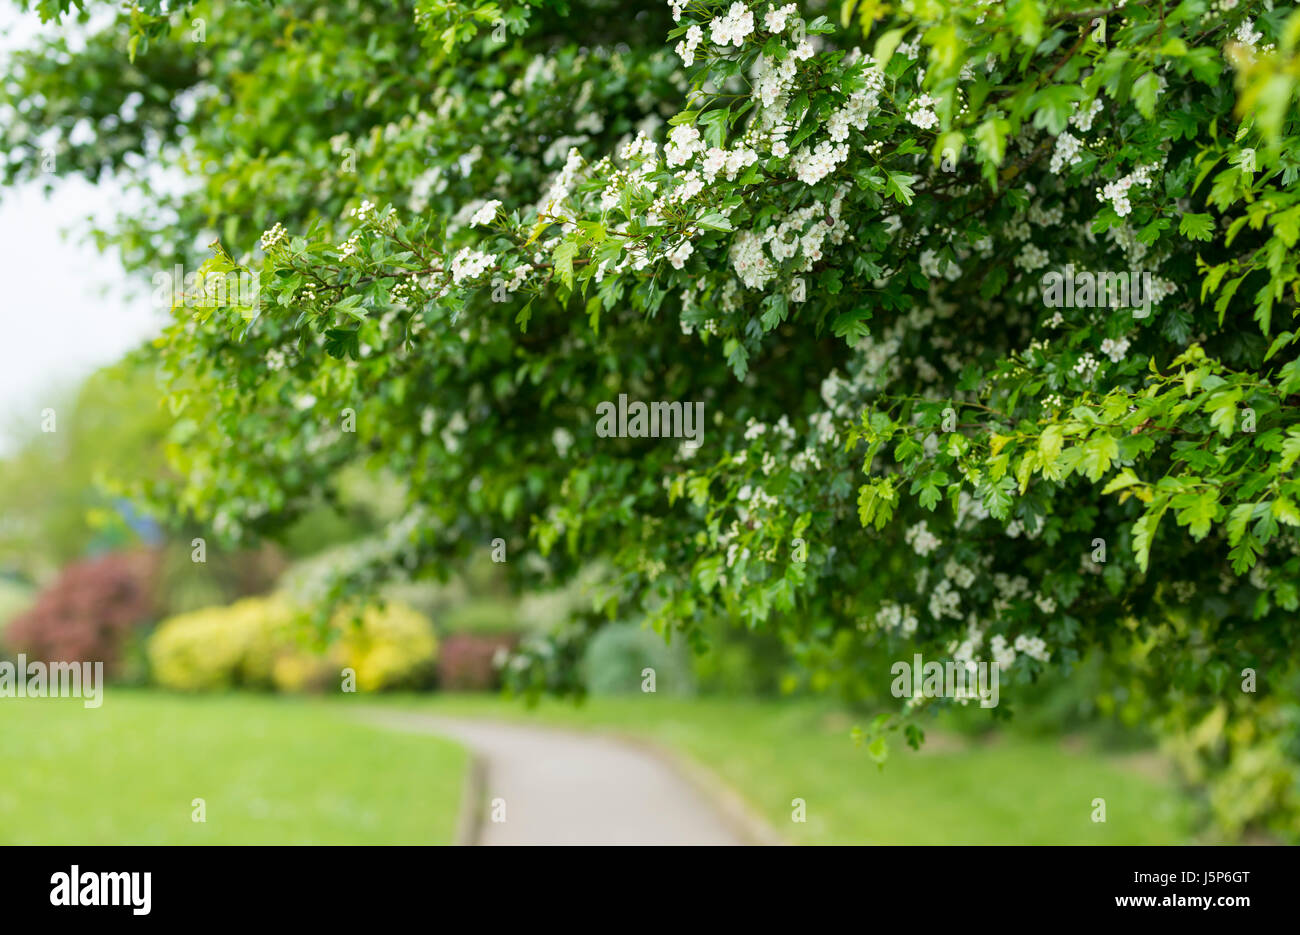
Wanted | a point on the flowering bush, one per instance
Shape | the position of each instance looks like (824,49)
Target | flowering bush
(471,661)
(220,647)
(90,612)
(261,643)
(990,306)
(477,636)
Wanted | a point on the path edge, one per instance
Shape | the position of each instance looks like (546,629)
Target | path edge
(469,823)
(736,812)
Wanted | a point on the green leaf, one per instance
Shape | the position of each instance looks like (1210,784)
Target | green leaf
(1290,449)
(1223,410)
(876,502)
(1197,511)
(886,44)
(563,259)
(852,326)
(878,750)
(899,184)
(707,573)
(1196,226)
(1125,478)
(341,342)
(1049,443)
(1286,512)
(991,136)
(1238,518)
(1145,91)
(1098,452)
(996,497)
(1144,533)
(1053,105)
(1026,17)
(716,222)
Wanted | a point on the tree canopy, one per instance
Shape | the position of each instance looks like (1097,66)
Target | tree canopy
(990,307)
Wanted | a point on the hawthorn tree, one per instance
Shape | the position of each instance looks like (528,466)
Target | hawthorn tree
(990,307)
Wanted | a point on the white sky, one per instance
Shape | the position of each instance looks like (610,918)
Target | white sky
(64,309)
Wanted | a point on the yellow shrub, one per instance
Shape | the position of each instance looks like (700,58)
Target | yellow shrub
(218,647)
(388,648)
(263,643)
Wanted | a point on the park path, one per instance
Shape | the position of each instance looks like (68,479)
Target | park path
(563,787)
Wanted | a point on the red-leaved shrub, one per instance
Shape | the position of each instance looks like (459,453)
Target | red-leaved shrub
(89,612)
(465,661)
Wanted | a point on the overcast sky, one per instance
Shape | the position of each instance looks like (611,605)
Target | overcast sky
(63,306)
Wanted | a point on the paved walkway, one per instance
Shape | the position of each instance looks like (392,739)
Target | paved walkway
(562,787)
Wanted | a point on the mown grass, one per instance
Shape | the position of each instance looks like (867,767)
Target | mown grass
(271,771)
(297,771)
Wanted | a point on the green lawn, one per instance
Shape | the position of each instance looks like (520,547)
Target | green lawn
(1012,791)
(285,770)
(272,771)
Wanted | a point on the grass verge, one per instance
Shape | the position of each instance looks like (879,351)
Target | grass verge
(270,771)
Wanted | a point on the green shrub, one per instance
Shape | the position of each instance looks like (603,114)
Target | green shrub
(14,599)
(223,576)
(485,617)
(738,661)
(618,655)
(262,643)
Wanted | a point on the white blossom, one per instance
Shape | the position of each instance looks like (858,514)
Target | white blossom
(813,165)
(1115,350)
(683,143)
(734,27)
(275,235)
(920,112)
(775,18)
(1086,366)
(1032,646)
(922,541)
(686,48)
(680,254)
(486,214)
(469,264)
(1083,117)
(1066,153)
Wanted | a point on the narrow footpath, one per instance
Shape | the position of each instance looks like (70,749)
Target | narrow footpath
(545,786)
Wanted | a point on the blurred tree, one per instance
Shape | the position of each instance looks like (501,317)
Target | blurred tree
(58,494)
